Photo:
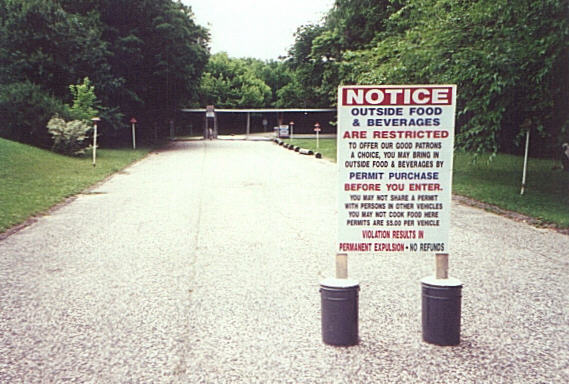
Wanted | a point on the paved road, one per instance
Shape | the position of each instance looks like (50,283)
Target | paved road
(201,263)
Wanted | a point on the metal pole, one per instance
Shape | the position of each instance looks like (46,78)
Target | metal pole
(248,125)
(133,136)
(215,127)
(525,163)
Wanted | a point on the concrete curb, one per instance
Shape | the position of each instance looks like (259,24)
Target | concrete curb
(302,151)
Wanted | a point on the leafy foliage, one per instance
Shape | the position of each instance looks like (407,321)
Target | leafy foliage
(232,83)
(501,56)
(145,57)
(25,109)
(69,138)
(509,59)
(84,100)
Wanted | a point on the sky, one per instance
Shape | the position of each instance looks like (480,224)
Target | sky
(259,29)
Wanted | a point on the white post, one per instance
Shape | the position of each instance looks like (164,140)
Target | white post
(317,140)
(95,120)
(95,146)
(291,130)
(133,136)
(525,163)
(248,125)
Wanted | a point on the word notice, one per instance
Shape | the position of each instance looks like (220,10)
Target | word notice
(395,152)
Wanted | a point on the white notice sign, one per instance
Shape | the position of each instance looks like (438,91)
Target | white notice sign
(395,151)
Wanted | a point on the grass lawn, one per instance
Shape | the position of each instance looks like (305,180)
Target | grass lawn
(32,180)
(327,146)
(498,182)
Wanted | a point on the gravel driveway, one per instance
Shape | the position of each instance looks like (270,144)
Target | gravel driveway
(201,264)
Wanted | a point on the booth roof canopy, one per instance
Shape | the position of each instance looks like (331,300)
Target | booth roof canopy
(261,110)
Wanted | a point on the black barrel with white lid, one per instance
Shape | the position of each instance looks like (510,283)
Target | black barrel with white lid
(441,303)
(339,299)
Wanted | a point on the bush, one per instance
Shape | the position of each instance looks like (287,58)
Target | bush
(25,109)
(69,138)
(84,101)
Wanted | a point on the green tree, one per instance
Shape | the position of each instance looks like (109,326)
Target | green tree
(291,95)
(309,70)
(354,24)
(42,43)
(317,54)
(506,58)
(233,83)
(25,109)
(276,74)
(84,101)
(145,57)
(157,51)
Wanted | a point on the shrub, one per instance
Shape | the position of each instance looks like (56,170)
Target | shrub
(25,109)
(69,138)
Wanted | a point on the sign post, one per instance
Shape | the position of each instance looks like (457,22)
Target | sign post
(317,130)
(133,123)
(284,131)
(525,163)
(95,120)
(395,152)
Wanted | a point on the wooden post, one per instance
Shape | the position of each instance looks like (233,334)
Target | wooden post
(441,271)
(341,266)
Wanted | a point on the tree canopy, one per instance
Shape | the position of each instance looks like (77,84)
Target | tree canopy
(147,58)
(246,82)
(510,60)
(144,58)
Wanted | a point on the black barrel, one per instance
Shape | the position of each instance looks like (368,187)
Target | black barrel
(339,299)
(441,302)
